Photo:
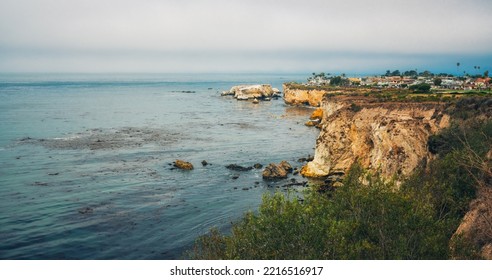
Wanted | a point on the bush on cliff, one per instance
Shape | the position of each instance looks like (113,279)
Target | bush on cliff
(421,88)
(370,220)
(357,222)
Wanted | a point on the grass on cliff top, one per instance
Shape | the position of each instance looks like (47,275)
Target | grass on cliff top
(374,220)
(395,94)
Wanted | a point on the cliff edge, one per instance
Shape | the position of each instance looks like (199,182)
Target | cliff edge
(390,137)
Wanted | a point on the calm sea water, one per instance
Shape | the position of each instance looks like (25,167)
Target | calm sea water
(85,161)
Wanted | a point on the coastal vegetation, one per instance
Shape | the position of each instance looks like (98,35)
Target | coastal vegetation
(421,88)
(371,217)
(423,92)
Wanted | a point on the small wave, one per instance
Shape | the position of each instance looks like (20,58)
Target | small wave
(67,138)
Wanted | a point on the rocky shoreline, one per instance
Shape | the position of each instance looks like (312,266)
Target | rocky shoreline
(273,174)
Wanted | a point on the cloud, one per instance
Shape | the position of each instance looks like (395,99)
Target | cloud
(180,34)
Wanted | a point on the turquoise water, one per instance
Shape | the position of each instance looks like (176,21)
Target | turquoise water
(85,161)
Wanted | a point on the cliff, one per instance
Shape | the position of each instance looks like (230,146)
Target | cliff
(299,94)
(390,137)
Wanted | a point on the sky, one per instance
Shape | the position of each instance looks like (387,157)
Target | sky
(350,36)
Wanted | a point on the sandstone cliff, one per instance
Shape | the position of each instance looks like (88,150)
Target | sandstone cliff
(476,225)
(296,96)
(387,136)
(391,137)
(299,94)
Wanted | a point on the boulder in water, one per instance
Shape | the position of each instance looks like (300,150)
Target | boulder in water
(183,165)
(285,165)
(274,171)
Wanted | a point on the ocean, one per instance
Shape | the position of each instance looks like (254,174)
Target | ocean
(86,161)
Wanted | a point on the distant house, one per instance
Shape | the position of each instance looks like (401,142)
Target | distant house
(481,83)
(318,80)
(451,84)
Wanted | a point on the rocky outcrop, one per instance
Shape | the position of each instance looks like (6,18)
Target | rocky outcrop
(312,123)
(277,171)
(390,137)
(300,96)
(317,115)
(245,92)
(183,165)
(286,166)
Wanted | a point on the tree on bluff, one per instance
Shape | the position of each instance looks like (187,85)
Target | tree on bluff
(421,88)
(338,81)
(437,81)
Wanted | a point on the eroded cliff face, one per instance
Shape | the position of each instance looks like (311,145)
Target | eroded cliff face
(298,94)
(295,96)
(390,137)
(476,226)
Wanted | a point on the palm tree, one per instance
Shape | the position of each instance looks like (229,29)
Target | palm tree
(458,66)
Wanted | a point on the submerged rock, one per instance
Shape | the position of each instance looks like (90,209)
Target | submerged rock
(108,139)
(258,166)
(236,167)
(183,165)
(86,210)
(204,163)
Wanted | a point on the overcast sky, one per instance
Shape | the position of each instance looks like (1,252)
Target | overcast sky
(244,36)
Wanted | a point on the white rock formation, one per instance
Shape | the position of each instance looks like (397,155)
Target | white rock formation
(245,92)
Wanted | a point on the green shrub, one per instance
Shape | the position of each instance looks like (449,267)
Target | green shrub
(421,88)
(359,221)
(368,217)
(355,108)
